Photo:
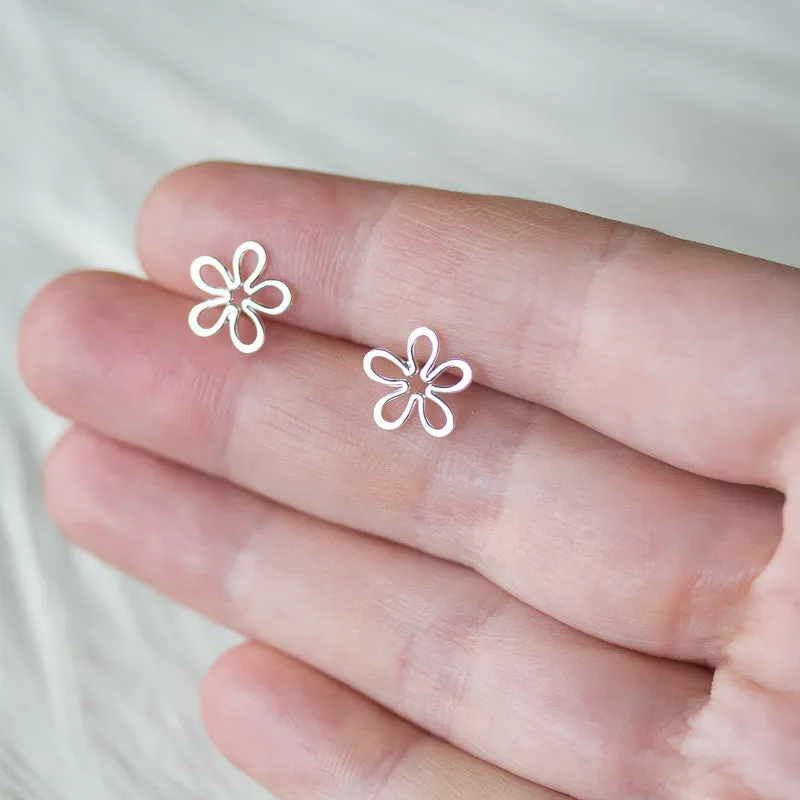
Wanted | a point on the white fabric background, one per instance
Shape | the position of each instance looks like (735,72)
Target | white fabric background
(682,115)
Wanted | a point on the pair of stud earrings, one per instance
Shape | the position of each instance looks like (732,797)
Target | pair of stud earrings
(409,369)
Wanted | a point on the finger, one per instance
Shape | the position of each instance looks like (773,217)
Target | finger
(681,351)
(430,640)
(745,742)
(561,517)
(594,534)
(304,736)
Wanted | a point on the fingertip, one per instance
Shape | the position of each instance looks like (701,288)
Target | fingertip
(63,330)
(169,203)
(235,675)
(313,225)
(43,324)
(56,474)
(251,705)
(193,209)
(81,470)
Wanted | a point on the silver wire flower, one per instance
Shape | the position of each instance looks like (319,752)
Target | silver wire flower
(222,296)
(428,373)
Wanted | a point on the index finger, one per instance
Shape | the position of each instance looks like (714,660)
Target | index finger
(679,350)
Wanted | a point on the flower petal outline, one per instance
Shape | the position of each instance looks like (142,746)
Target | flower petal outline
(453,364)
(238,343)
(194,316)
(449,417)
(406,369)
(391,425)
(238,257)
(283,305)
(423,332)
(195,272)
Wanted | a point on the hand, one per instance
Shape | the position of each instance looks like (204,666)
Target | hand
(586,589)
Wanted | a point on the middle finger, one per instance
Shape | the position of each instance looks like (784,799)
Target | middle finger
(567,520)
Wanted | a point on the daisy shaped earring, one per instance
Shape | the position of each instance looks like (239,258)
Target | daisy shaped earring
(222,296)
(429,374)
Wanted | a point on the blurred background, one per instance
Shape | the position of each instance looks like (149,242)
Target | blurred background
(680,115)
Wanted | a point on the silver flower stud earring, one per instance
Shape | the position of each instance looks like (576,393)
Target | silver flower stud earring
(222,296)
(429,373)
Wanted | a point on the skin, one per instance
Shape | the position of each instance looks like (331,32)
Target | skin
(589,590)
